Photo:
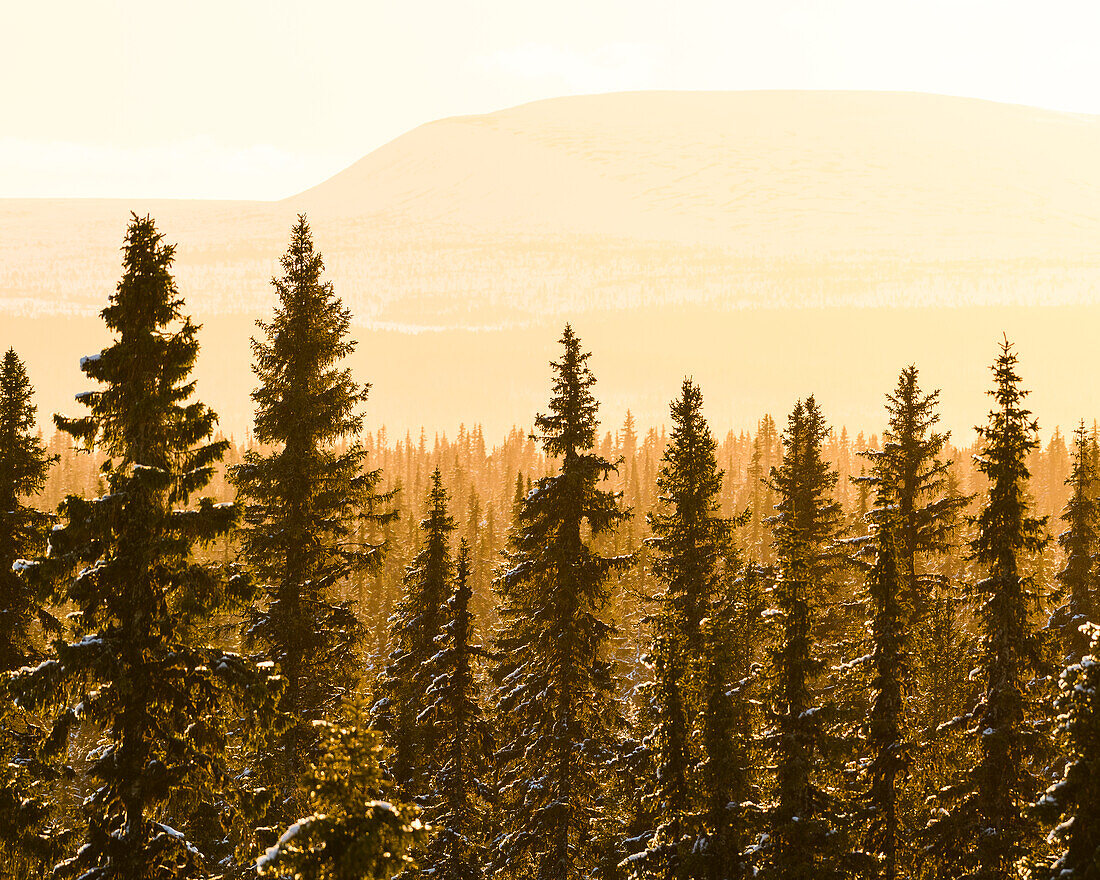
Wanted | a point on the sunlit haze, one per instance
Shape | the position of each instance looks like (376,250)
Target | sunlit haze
(259,100)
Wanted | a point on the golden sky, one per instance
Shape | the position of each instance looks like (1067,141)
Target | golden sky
(263,98)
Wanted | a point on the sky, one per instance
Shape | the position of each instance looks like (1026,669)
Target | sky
(259,99)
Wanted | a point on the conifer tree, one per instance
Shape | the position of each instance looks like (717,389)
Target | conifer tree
(352,833)
(23,467)
(1077,579)
(912,518)
(303,497)
(911,472)
(887,744)
(416,624)
(1073,802)
(800,839)
(125,562)
(462,792)
(693,546)
(983,830)
(557,711)
(724,776)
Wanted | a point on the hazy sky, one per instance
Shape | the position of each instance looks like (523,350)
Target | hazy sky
(262,98)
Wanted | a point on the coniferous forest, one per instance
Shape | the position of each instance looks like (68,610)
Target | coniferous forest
(579,651)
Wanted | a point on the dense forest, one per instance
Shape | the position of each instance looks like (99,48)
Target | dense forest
(586,651)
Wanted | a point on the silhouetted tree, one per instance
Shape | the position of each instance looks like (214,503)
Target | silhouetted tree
(557,712)
(983,830)
(137,670)
(302,496)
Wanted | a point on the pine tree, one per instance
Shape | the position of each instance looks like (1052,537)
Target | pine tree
(1077,579)
(798,843)
(556,708)
(983,831)
(302,498)
(462,791)
(1074,800)
(125,561)
(23,467)
(352,833)
(415,625)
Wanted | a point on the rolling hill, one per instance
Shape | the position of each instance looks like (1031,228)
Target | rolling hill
(740,211)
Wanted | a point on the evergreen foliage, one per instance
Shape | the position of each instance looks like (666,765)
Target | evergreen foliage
(352,833)
(24,799)
(1077,579)
(800,840)
(1072,804)
(460,808)
(982,831)
(135,668)
(556,707)
(303,496)
(415,627)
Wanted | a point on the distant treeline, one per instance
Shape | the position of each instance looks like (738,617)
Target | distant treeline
(579,652)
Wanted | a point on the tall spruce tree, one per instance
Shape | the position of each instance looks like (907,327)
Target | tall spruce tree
(1077,579)
(126,564)
(557,712)
(416,624)
(693,550)
(1073,802)
(799,841)
(458,810)
(303,498)
(912,518)
(983,830)
(887,759)
(24,464)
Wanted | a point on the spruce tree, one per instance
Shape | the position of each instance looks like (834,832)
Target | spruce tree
(356,830)
(911,473)
(799,840)
(416,624)
(126,564)
(557,712)
(1073,802)
(982,830)
(23,467)
(1077,579)
(693,550)
(303,500)
(912,519)
(458,810)
(887,758)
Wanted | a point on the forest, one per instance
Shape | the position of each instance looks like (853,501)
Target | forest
(585,651)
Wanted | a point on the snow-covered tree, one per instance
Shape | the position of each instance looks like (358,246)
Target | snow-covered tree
(415,626)
(303,499)
(1077,579)
(799,840)
(24,844)
(136,669)
(982,829)
(462,793)
(556,709)
(1072,804)
(356,830)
